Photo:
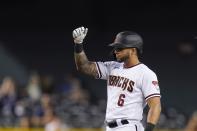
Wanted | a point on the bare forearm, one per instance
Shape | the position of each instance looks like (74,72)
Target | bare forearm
(84,65)
(81,60)
(154,114)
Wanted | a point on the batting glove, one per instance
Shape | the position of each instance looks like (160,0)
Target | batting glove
(79,34)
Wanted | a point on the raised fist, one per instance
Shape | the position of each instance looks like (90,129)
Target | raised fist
(79,34)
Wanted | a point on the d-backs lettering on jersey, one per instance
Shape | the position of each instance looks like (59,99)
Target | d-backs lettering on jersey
(122,82)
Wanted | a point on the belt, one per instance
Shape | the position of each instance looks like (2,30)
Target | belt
(114,124)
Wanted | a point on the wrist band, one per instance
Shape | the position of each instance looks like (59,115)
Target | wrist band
(149,127)
(78,48)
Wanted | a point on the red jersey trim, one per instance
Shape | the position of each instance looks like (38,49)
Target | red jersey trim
(152,95)
(99,70)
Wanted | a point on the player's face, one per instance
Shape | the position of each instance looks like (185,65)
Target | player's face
(122,54)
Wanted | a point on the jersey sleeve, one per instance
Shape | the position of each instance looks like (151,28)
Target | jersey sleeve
(150,85)
(103,69)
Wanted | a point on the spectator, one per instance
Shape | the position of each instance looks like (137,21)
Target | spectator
(192,124)
(47,82)
(8,98)
(52,122)
(34,87)
(24,122)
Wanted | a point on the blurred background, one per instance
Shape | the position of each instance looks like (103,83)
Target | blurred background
(39,85)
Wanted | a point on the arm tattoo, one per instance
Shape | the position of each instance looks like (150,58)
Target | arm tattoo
(84,65)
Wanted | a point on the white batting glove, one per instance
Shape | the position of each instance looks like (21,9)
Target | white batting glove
(79,34)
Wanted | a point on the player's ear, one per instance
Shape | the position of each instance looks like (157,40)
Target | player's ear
(134,51)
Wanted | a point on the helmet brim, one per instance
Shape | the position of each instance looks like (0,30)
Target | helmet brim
(116,45)
(120,45)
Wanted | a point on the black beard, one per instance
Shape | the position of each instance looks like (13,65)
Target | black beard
(122,59)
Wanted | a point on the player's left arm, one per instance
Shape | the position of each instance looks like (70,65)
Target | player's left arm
(153,113)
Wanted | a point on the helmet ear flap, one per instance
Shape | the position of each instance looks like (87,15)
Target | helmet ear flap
(139,53)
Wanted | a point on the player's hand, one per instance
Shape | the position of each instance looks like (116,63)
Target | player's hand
(79,34)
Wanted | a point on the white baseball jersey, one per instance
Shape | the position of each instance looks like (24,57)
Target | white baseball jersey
(127,89)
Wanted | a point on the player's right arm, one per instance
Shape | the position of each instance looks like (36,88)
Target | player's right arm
(82,63)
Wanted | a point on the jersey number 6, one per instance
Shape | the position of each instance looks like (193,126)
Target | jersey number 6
(121,100)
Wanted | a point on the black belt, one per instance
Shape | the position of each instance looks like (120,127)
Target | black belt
(114,124)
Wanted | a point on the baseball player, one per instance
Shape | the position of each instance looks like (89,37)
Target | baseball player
(131,85)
